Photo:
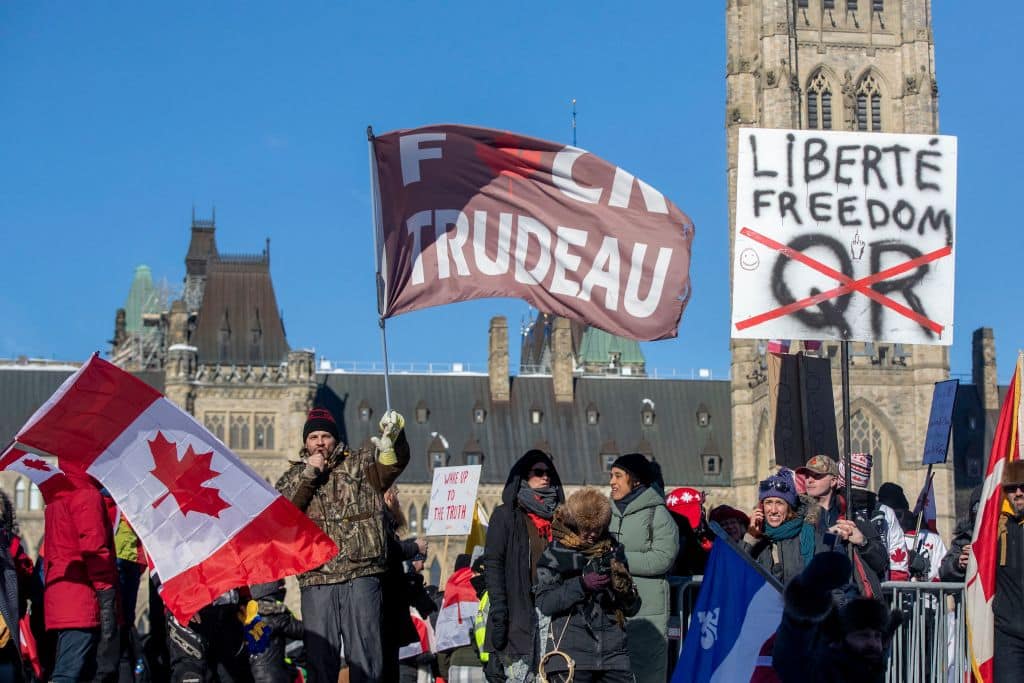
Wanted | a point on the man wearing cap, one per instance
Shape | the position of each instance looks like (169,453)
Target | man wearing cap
(871,559)
(342,492)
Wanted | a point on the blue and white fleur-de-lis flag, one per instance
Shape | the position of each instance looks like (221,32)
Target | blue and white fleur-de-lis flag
(737,613)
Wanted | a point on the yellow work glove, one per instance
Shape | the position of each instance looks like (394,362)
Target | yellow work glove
(391,424)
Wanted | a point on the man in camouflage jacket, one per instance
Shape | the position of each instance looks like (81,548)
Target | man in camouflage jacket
(342,492)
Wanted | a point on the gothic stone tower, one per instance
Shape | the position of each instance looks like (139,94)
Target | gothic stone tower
(864,65)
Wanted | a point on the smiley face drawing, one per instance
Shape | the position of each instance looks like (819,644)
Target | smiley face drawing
(749,259)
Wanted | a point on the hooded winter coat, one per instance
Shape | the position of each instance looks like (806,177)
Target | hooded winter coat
(584,624)
(79,558)
(512,621)
(651,540)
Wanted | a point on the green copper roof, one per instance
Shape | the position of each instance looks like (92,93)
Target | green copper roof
(141,299)
(597,344)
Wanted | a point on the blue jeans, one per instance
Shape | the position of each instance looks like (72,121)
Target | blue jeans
(76,654)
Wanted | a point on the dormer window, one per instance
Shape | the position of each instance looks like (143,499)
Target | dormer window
(364,411)
(712,465)
(609,454)
(479,414)
(437,451)
(647,413)
(536,416)
(472,452)
(592,414)
(422,413)
(703,416)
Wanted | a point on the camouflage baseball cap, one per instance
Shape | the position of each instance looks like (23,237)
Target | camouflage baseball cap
(820,464)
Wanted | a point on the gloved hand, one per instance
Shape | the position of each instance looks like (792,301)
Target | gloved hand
(391,424)
(108,612)
(594,581)
(498,631)
(108,649)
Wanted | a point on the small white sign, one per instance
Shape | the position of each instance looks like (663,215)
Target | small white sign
(452,498)
(843,235)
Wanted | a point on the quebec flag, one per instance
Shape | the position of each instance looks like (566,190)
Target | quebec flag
(737,614)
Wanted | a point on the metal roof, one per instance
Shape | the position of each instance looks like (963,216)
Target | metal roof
(675,439)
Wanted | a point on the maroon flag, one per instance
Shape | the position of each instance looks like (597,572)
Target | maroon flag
(466,213)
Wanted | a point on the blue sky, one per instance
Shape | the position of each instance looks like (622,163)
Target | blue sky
(118,117)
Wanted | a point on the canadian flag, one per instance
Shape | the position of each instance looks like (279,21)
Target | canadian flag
(43,472)
(980,583)
(207,521)
(455,620)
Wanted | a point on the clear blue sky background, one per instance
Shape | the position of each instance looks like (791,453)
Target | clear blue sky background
(115,118)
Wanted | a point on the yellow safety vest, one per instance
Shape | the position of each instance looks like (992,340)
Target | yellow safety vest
(480,626)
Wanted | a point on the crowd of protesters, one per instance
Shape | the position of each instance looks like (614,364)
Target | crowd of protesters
(567,587)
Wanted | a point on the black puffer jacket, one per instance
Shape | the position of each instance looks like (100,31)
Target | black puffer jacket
(584,625)
(512,621)
(269,666)
(1008,603)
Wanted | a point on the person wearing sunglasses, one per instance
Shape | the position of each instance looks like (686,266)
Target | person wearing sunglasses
(779,538)
(518,533)
(1008,603)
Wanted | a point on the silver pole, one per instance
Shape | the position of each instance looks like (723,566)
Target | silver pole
(377,258)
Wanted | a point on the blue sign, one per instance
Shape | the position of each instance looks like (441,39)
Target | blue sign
(936,443)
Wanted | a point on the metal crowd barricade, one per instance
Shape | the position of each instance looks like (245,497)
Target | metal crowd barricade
(930,646)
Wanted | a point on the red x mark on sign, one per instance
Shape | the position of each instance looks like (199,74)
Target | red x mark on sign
(848,284)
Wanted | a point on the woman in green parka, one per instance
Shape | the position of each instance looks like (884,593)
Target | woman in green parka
(643,525)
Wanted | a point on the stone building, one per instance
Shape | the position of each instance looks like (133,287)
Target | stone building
(842,65)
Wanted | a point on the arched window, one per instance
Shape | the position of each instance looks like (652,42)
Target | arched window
(869,105)
(35,497)
(425,516)
(414,525)
(866,437)
(20,494)
(819,103)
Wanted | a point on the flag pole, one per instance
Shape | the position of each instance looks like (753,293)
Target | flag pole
(845,362)
(378,259)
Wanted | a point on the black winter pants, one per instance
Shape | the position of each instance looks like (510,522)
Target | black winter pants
(343,617)
(1008,662)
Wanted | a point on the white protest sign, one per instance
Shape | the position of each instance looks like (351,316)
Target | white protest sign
(843,235)
(452,497)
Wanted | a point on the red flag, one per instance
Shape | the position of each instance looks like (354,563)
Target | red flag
(926,504)
(981,567)
(42,472)
(207,521)
(466,213)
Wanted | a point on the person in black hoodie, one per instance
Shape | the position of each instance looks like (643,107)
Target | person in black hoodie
(519,531)
(954,564)
(583,584)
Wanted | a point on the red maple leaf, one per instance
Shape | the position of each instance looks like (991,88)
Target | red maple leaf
(184,478)
(34,464)
(899,555)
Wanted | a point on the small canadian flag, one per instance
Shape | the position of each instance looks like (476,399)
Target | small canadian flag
(206,520)
(43,472)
